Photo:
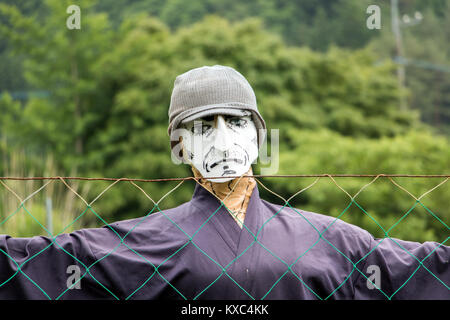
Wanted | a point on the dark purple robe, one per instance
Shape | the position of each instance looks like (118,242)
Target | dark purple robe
(197,251)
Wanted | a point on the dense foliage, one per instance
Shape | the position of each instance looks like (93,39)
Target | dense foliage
(105,113)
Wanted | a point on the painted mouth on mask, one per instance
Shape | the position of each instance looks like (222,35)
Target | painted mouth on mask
(226,172)
(215,164)
(241,158)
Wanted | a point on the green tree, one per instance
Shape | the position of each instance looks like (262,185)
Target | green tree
(336,111)
(428,65)
(60,61)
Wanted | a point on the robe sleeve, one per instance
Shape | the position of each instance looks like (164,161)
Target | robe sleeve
(47,268)
(399,269)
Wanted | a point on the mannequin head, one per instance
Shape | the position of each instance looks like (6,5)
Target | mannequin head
(220,145)
(213,112)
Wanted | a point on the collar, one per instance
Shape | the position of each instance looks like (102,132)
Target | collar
(213,212)
(235,194)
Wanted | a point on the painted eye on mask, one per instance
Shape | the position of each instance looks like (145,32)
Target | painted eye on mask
(237,122)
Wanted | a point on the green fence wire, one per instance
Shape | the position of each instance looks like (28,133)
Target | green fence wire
(191,240)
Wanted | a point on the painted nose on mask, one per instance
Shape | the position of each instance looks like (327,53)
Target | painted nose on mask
(222,140)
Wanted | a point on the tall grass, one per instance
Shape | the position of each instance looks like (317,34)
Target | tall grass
(23,211)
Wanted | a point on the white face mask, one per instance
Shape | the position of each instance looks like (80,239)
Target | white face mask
(223,148)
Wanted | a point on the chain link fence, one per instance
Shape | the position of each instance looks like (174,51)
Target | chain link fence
(84,268)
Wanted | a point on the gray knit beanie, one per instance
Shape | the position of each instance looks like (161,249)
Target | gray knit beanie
(211,90)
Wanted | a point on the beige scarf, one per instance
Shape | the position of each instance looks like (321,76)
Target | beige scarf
(235,194)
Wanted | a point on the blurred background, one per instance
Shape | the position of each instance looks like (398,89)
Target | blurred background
(346,99)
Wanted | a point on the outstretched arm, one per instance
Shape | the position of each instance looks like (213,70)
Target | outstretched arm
(399,269)
(47,268)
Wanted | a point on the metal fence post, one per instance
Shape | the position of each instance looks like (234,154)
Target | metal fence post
(49,215)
